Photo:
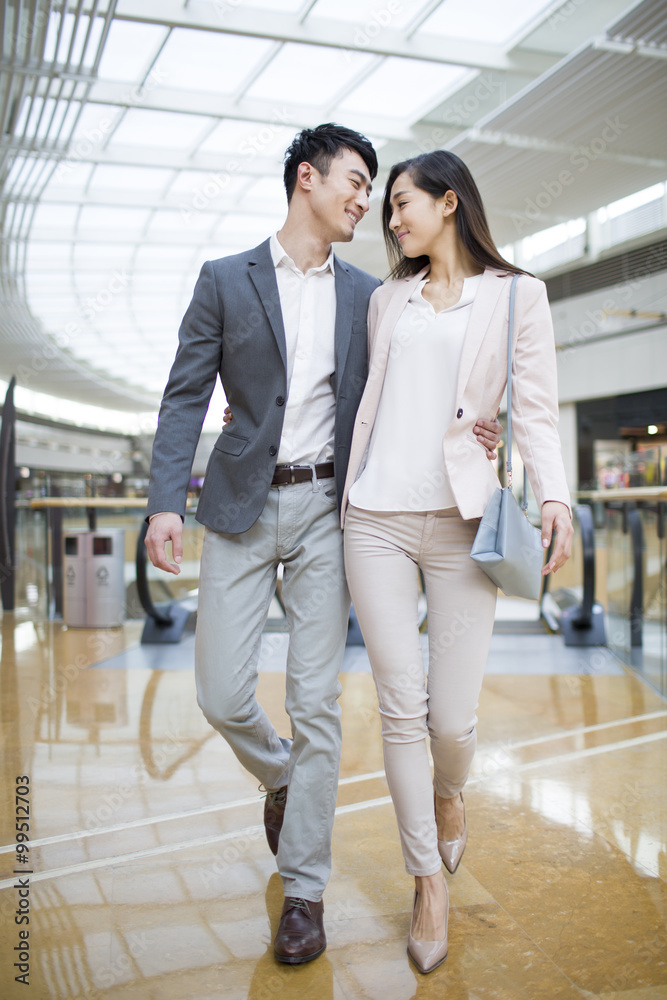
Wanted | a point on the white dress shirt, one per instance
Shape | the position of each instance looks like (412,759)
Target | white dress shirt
(308,305)
(405,466)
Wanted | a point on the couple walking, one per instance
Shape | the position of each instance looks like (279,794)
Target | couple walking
(371,407)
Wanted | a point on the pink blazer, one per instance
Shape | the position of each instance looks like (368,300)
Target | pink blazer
(480,387)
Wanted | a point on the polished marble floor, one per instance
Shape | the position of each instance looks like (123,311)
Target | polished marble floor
(148,875)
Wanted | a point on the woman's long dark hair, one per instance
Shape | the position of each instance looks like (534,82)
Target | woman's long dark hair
(437,173)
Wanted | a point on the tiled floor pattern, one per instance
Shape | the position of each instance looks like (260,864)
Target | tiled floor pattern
(151,877)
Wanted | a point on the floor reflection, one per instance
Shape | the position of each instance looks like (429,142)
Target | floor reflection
(152,878)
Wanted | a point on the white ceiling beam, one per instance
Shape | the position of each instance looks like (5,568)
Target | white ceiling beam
(255,23)
(265,113)
(491,138)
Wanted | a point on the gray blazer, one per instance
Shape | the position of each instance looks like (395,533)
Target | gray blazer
(234,327)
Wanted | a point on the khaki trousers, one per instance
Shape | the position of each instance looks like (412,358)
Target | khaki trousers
(299,528)
(384,552)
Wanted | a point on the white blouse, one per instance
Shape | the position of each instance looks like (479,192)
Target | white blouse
(405,468)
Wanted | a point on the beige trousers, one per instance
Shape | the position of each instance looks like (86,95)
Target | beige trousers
(384,552)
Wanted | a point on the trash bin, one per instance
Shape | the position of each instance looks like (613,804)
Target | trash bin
(94,590)
(74,579)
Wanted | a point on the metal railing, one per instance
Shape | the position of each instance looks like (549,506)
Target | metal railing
(631,564)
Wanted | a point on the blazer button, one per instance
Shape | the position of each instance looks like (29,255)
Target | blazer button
(273,450)
(280,400)
(459,413)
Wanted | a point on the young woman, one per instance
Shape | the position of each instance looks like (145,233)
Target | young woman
(417,484)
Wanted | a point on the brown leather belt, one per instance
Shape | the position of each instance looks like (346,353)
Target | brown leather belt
(286,475)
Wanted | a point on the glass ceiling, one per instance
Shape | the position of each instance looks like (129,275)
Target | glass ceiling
(160,129)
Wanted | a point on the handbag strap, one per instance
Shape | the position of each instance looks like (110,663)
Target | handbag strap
(510,338)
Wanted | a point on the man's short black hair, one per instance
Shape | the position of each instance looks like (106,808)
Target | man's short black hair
(319,145)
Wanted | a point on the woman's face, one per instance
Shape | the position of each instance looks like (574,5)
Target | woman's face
(418,220)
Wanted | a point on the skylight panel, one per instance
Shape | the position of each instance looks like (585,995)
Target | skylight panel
(267,189)
(159,129)
(630,202)
(374,15)
(208,61)
(68,175)
(109,177)
(249,139)
(49,216)
(483,21)
(49,255)
(405,88)
(208,184)
(308,74)
(89,256)
(60,56)
(187,226)
(130,49)
(254,225)
(552,237)
(112,219)
(92,130)
(280,6)
(153,258)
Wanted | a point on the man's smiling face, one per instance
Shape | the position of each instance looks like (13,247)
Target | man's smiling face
(339,199)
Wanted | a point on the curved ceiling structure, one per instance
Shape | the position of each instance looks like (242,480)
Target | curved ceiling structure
(142,137)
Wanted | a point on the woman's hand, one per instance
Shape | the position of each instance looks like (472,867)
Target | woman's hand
(227,416)
(488,433)
(556,517)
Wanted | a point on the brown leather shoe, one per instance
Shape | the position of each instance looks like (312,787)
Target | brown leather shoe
(300,936)
(274,814)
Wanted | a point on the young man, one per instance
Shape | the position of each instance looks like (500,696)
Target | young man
(284,325)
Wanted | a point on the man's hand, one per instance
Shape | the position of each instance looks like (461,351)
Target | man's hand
(162,529)
(556,517)
(488,433)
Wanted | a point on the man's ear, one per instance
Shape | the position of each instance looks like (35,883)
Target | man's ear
(305,175)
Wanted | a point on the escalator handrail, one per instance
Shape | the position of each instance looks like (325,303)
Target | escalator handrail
(160,617)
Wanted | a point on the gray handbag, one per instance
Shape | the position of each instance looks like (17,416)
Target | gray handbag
(507,546)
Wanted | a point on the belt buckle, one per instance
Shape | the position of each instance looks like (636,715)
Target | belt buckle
(292,477)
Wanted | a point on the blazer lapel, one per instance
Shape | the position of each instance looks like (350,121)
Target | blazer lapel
(344,314)
(263,276)
(482,312)
(401,292)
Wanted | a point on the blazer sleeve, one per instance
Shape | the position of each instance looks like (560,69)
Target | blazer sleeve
(186,397)
(535,393)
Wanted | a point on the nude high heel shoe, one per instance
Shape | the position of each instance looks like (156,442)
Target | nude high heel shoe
(428,955)
(451,851)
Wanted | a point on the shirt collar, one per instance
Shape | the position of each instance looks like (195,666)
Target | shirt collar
(280,256)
